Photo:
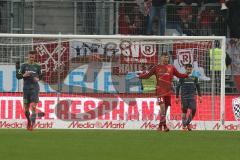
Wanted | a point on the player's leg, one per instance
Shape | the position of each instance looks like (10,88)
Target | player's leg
(33,116)
(167,100)
(161,103)
(184,113)
(27,114)
(34,100)
(192,107)
(26,102)
(164,102)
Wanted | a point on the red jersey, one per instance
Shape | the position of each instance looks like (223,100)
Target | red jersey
(164,75)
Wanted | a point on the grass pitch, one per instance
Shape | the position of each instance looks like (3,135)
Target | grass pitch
(118,145)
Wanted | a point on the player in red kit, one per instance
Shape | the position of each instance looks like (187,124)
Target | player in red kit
(164,73)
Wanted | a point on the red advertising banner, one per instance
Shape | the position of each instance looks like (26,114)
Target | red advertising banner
(109,107)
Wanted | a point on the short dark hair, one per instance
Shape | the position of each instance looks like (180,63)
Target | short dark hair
(32,52)
(164,54)
(188,65)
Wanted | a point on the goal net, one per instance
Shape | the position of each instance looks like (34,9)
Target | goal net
(88,81)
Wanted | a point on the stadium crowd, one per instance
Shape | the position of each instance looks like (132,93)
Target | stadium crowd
(187,17)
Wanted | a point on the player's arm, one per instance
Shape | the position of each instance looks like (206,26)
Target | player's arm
(147,74)
(178,89)
(40,76)
(178,74)
(198,89)
(19,70)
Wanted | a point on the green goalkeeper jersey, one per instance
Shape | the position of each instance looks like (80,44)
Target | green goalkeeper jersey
(29,82)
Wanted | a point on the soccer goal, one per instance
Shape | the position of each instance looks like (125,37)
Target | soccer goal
(87,81)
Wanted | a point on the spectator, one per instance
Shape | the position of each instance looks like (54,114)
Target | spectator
(187,20)
(158,9)
(124,20)
(155,26)
(188,1)
(207,18)
(137,21)
(233,18)
(131,22)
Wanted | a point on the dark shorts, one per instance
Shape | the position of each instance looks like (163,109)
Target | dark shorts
(188,104)
(30,95)
(164,100)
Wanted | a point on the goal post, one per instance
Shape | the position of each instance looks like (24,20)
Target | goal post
(223,70)
(86,83)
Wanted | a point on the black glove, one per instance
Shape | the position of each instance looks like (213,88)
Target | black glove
(17,65)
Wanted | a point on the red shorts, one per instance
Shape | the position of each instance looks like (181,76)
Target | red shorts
(164,100)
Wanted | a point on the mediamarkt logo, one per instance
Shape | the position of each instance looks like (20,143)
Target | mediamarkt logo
(149,125)
(229,127)
(45,125)
(178,125)
(5,124)
(86,125)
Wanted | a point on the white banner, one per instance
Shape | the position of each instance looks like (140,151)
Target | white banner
(186,56)
(119,125)
(83,79)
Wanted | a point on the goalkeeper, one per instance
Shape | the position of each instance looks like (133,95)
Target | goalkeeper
(31,73)
(188,88)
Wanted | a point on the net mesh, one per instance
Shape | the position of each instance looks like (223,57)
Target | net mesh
(76,68)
